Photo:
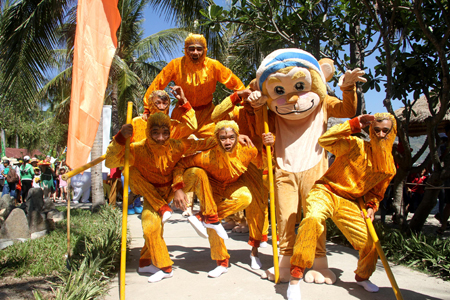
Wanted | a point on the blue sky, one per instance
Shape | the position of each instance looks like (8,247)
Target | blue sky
(154,22)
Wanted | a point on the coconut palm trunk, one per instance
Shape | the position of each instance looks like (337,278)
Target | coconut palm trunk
(98,198)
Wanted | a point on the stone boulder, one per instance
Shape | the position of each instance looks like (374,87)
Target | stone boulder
(7,204)
(15,226)
(35,213)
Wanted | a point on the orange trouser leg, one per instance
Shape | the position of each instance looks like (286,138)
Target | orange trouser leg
(291,191)
(256,211)
(156,197)
(235,197)
(196,180)
(155,249)
(349,220)
(205,126)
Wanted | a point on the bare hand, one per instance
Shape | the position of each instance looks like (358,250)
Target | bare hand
(257,99)
(246,141)
(351,77)
(370,214)
(268,139)
(180,200)
(178,93)
(127,130)
(244,94)
(365,120)
(145,117)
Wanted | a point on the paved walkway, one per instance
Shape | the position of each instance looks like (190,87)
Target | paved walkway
(192,262)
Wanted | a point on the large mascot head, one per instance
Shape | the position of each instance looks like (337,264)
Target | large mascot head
(294,82)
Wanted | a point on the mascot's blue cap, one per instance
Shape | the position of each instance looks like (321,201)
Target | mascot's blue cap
(282,58)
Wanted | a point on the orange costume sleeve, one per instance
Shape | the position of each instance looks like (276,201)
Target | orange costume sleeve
(345,108)
(115,153)
(227,109)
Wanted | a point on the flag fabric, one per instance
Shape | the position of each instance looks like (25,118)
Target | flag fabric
(95,45)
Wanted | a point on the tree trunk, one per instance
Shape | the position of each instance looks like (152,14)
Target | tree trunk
(357,61)
(399,182)
(428,203)
(17,141)
(96,176)
(114,109)
(3,141)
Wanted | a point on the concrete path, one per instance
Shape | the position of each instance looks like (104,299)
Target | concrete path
(192,262)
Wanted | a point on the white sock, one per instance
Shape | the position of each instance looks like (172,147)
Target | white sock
(219,270)
(160,275)
(368,286)
(293,292)
(255,262)
(148,269)
(263,245)
(218,228)
(166,216)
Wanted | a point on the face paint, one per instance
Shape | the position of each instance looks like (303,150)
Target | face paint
(227,138)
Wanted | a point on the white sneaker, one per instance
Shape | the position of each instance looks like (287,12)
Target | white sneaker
(218,228)
(198,226)
(148,269)
(219,270)
(160,275)
(263,245)
(293,292)
(166,216)
(368,286)
(255,262)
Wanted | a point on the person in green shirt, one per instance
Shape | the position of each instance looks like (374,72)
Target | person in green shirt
(46,178)
(26,177)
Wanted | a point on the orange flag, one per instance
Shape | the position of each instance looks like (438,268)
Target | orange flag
(95,45)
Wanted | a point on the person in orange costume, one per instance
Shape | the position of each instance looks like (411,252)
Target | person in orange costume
(215,177)
(152,161)
(198,76)
(257,211)
(159,101)
(361,169)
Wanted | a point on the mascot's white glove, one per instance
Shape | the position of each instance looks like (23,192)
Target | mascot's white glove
(257,99)
(351,77)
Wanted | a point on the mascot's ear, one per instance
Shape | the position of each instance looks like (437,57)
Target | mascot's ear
(253,85)
(327,66)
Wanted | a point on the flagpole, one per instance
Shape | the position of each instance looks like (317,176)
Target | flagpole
(126,175)
(272,200)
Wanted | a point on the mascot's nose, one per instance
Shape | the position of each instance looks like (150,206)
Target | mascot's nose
(292,99)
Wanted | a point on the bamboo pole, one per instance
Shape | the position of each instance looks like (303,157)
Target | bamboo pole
(83,168)
(272,200)
(126,175)
(68,228)
(380,251)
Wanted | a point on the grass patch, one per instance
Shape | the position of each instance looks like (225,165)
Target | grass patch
(425,253)
(95,247)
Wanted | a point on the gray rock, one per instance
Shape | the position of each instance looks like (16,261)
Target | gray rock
(7,204)
(15,226)
(55,215)
(36,221)
(35,200)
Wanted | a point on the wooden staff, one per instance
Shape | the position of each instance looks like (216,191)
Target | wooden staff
(272,200)
(380,251)
(126,175)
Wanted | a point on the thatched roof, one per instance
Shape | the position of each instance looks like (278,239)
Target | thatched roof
(417,124)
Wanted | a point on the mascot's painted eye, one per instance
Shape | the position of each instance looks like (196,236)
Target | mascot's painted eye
(299,86)
(279,90)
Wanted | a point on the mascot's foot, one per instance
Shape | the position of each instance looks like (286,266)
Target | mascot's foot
(218,228)
(320,272)
(198,226)
(149,269)
(368,286)
(285,270)
(293,292)
(188,212)
(229,225)
(166,216)
(263,245)
(160,275)
(255,262)
(219,270)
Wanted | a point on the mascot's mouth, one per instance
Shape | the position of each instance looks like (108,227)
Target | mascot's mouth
(295,110)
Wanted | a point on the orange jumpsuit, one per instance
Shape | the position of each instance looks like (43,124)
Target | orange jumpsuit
(361,169)
(257,212)
(151,167)
(215,177)
(198,81)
